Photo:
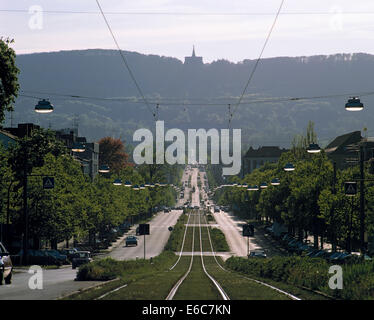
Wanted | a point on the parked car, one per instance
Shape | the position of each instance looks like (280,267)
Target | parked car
(69,252)
(268,229)
(257,254)
(81,257)
(137,231)
(6,266)
(62,258)
(286,238)
(131,240)
(39,257)
(339,257)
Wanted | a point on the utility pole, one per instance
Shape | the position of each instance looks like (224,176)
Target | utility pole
(25,214)
(333,209)
(362,201)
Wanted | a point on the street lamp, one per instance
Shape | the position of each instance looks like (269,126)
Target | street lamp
(313,148)
(104,169)
(289,167)
(78,147)
(354,104)
(127,184)
(263,185)
(117,182)
(44,106)
(275,182)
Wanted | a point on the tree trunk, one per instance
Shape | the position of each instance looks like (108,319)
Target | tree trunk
(315,241)
(54,244)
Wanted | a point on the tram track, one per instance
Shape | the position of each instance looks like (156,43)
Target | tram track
(173,291)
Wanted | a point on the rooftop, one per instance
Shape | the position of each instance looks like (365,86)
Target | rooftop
(264,152)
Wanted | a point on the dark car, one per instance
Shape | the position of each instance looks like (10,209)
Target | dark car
(216,209)
(131,240)
(6,266)
(257,254)
(80,257)
(69,252)
(61,258)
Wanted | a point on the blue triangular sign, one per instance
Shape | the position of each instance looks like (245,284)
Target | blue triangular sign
(48,183)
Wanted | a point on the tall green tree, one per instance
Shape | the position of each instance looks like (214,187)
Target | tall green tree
(8,77)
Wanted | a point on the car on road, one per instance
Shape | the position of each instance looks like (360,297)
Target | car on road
(257,254)
(6,266)
(81,257)
(131,240)
(61,258)
(216,209)
(69,252)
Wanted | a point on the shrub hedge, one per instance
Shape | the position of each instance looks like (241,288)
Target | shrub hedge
(312,273)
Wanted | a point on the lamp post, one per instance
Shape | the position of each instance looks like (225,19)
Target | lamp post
(354,104)
(44,106)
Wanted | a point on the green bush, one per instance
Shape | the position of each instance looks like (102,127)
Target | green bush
(219,240)
(101,270)
(312,273)
(175,240)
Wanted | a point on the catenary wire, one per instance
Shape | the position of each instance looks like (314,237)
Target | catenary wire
(257,62)
(125,61)
(184,103)
(175,13)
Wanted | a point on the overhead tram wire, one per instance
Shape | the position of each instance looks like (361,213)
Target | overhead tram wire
(257,61)
(184,103)
(125,61)
(174,13)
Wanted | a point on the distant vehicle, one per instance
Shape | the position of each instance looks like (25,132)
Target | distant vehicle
(131,240)
(81,257)
(166,210)
(62,258)
(216,209)
(257,254)
(137,231)
(69,252)
(6,266)
(196,207)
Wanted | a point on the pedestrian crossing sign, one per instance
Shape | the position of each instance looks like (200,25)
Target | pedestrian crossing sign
(350,188)
(48,182)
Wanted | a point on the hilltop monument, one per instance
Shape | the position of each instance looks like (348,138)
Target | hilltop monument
(193,60)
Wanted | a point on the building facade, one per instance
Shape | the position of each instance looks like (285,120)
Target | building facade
(89,159)
(255,158)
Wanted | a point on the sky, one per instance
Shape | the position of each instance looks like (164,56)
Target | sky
(220,29)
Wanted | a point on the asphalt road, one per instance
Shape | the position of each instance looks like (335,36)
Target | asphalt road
(154,243)
(55,283)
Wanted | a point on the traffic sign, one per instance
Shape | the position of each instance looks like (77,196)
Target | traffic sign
(143,229)
(48,182)
(248,230)
(350,188)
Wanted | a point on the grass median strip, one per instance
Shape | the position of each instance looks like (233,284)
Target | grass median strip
(141,279)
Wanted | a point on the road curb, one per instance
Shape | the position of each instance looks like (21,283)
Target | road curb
(86,289)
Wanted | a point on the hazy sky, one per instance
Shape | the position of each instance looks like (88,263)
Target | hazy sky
(219,29)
